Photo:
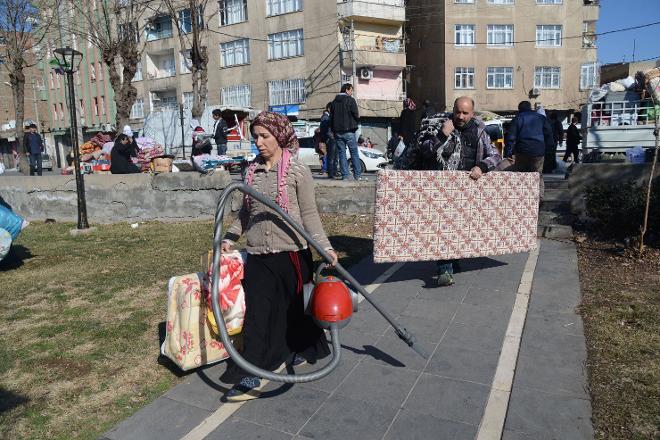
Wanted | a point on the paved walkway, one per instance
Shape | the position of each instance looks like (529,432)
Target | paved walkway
(384,390)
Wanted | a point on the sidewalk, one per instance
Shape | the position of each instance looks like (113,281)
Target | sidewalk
(384,390)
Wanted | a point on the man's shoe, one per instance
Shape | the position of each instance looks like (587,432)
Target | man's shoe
(247,389)
(445,279)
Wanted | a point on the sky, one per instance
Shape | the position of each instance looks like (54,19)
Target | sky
(617,14)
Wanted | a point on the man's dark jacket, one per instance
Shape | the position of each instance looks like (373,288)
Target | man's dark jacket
(220,134)
(573,136)
(345,114)
(33,143)
(530,133)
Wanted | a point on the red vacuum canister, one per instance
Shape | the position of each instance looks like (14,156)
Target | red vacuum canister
(331,302)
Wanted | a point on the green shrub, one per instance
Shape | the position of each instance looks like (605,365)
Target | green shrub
(618,209)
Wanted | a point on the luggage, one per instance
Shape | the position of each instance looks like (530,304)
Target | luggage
(11,222)
(5,243)
(189,340)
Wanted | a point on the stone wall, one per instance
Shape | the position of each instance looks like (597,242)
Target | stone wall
(587,174)
(164,197)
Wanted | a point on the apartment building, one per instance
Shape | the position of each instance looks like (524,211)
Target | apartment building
(501,52)
(287,56)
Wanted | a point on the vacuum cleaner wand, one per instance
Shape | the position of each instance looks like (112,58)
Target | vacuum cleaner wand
(406,336)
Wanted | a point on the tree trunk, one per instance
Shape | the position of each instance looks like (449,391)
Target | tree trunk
(17,81)
(125,92)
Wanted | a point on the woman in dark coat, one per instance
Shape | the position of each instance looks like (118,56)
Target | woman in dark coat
(408,121)
(120,157)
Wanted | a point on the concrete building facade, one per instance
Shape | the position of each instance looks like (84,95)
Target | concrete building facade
(501,52)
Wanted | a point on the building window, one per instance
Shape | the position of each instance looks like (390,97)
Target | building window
(588,76)
(159,27)
(286,91)
(232,11)
(236,95)
(137,111)
(346,78)
(186,61)
(464,78)
(547,77)
(102,104)
(185,20)
(549,2)
(54,112)
(501,2)
(138,72)
(278,7)
(548,35)
(95,106)
(99,68)
(51,76)
(81,107)
(500,78)
(285,45)
(92,72)
(61,111)
(187,100)
(235,53)
(464,35)
(500,35)
(464,1)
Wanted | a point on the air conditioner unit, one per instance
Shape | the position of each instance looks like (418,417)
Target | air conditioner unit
(366,73)
(534,92)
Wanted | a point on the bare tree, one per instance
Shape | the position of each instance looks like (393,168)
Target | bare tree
(23,26)
(191,37)
(114,27)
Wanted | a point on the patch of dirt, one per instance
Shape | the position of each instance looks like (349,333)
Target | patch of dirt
(621,312)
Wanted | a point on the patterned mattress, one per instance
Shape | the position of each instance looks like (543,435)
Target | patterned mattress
(440,215)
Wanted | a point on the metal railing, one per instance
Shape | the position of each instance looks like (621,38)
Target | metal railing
(397,3)
(621,113)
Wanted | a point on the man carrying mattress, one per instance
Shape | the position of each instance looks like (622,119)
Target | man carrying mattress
(460,144)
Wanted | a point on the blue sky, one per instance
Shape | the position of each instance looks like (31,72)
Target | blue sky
(617,14)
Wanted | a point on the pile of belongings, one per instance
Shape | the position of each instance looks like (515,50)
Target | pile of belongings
(11,224)
(207,162)
(148,149)
(652,79)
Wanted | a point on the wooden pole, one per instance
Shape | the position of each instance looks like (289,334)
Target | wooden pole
(650,185)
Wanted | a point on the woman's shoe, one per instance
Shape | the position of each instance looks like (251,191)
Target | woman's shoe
(445,279)
(298,360)
(247,389)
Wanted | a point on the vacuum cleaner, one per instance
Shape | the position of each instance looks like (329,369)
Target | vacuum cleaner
(330,303)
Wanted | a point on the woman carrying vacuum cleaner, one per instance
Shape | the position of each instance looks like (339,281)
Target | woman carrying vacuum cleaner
(279,260)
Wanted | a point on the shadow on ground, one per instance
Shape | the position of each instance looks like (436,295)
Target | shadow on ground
(10,400)
(16,257)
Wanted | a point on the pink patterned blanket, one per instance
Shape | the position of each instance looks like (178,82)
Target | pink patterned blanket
(441,215)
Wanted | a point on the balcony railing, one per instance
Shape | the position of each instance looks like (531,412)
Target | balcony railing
(398,3)
(618,113)
(377,44)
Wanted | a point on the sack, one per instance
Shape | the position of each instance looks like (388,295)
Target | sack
(231,294)
(5,243)
(399,149)
(189,342)
(161,164)
(10,221)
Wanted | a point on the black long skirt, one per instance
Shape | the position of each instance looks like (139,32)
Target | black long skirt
(275,325)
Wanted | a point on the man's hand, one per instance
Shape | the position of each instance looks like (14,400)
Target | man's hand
(448,127)
(476,173)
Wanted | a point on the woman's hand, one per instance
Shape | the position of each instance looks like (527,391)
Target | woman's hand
(226,246)
(334,257)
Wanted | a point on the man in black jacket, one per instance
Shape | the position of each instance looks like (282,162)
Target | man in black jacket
(529,135)
(345,117)
(34,146)
(220,130)
(573,139)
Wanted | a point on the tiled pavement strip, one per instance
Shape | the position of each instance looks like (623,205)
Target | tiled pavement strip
(383,390)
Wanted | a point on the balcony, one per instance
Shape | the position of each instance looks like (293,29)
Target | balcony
(376,11)
(380,108)
(377,51)
(591,10)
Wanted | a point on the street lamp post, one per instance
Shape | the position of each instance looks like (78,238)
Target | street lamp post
(69,60)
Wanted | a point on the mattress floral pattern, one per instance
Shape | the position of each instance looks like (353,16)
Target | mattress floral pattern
(440,215)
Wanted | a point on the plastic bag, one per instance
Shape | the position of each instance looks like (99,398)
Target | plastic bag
(399,149)
(10,221)
(636,155)
(5,243)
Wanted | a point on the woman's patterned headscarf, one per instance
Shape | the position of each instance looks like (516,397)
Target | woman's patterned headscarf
(280,127)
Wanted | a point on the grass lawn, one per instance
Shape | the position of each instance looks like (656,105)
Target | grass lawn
(80,316)
(621,311)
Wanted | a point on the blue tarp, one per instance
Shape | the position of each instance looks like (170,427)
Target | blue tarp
(10,222)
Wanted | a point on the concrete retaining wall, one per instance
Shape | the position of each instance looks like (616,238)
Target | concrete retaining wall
(164,197)
(587,174)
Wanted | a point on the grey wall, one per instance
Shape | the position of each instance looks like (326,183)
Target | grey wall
(165,197)
(587,174)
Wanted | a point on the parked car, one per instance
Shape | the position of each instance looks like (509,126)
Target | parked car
(46,162)
(371,159)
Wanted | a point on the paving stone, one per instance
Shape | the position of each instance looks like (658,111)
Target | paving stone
(368,320)
(431,329)
(163,419)
(342,418)
(394,352)
(514,435)
(412,425)
(482,296)
(236,428)
(454,293)
(549,416)
(564,346)
(432,310)
(376,383)
(479,338)
(463,364)
(286,412)
(449,399)
(202,390)
(569,323)
(482,315)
